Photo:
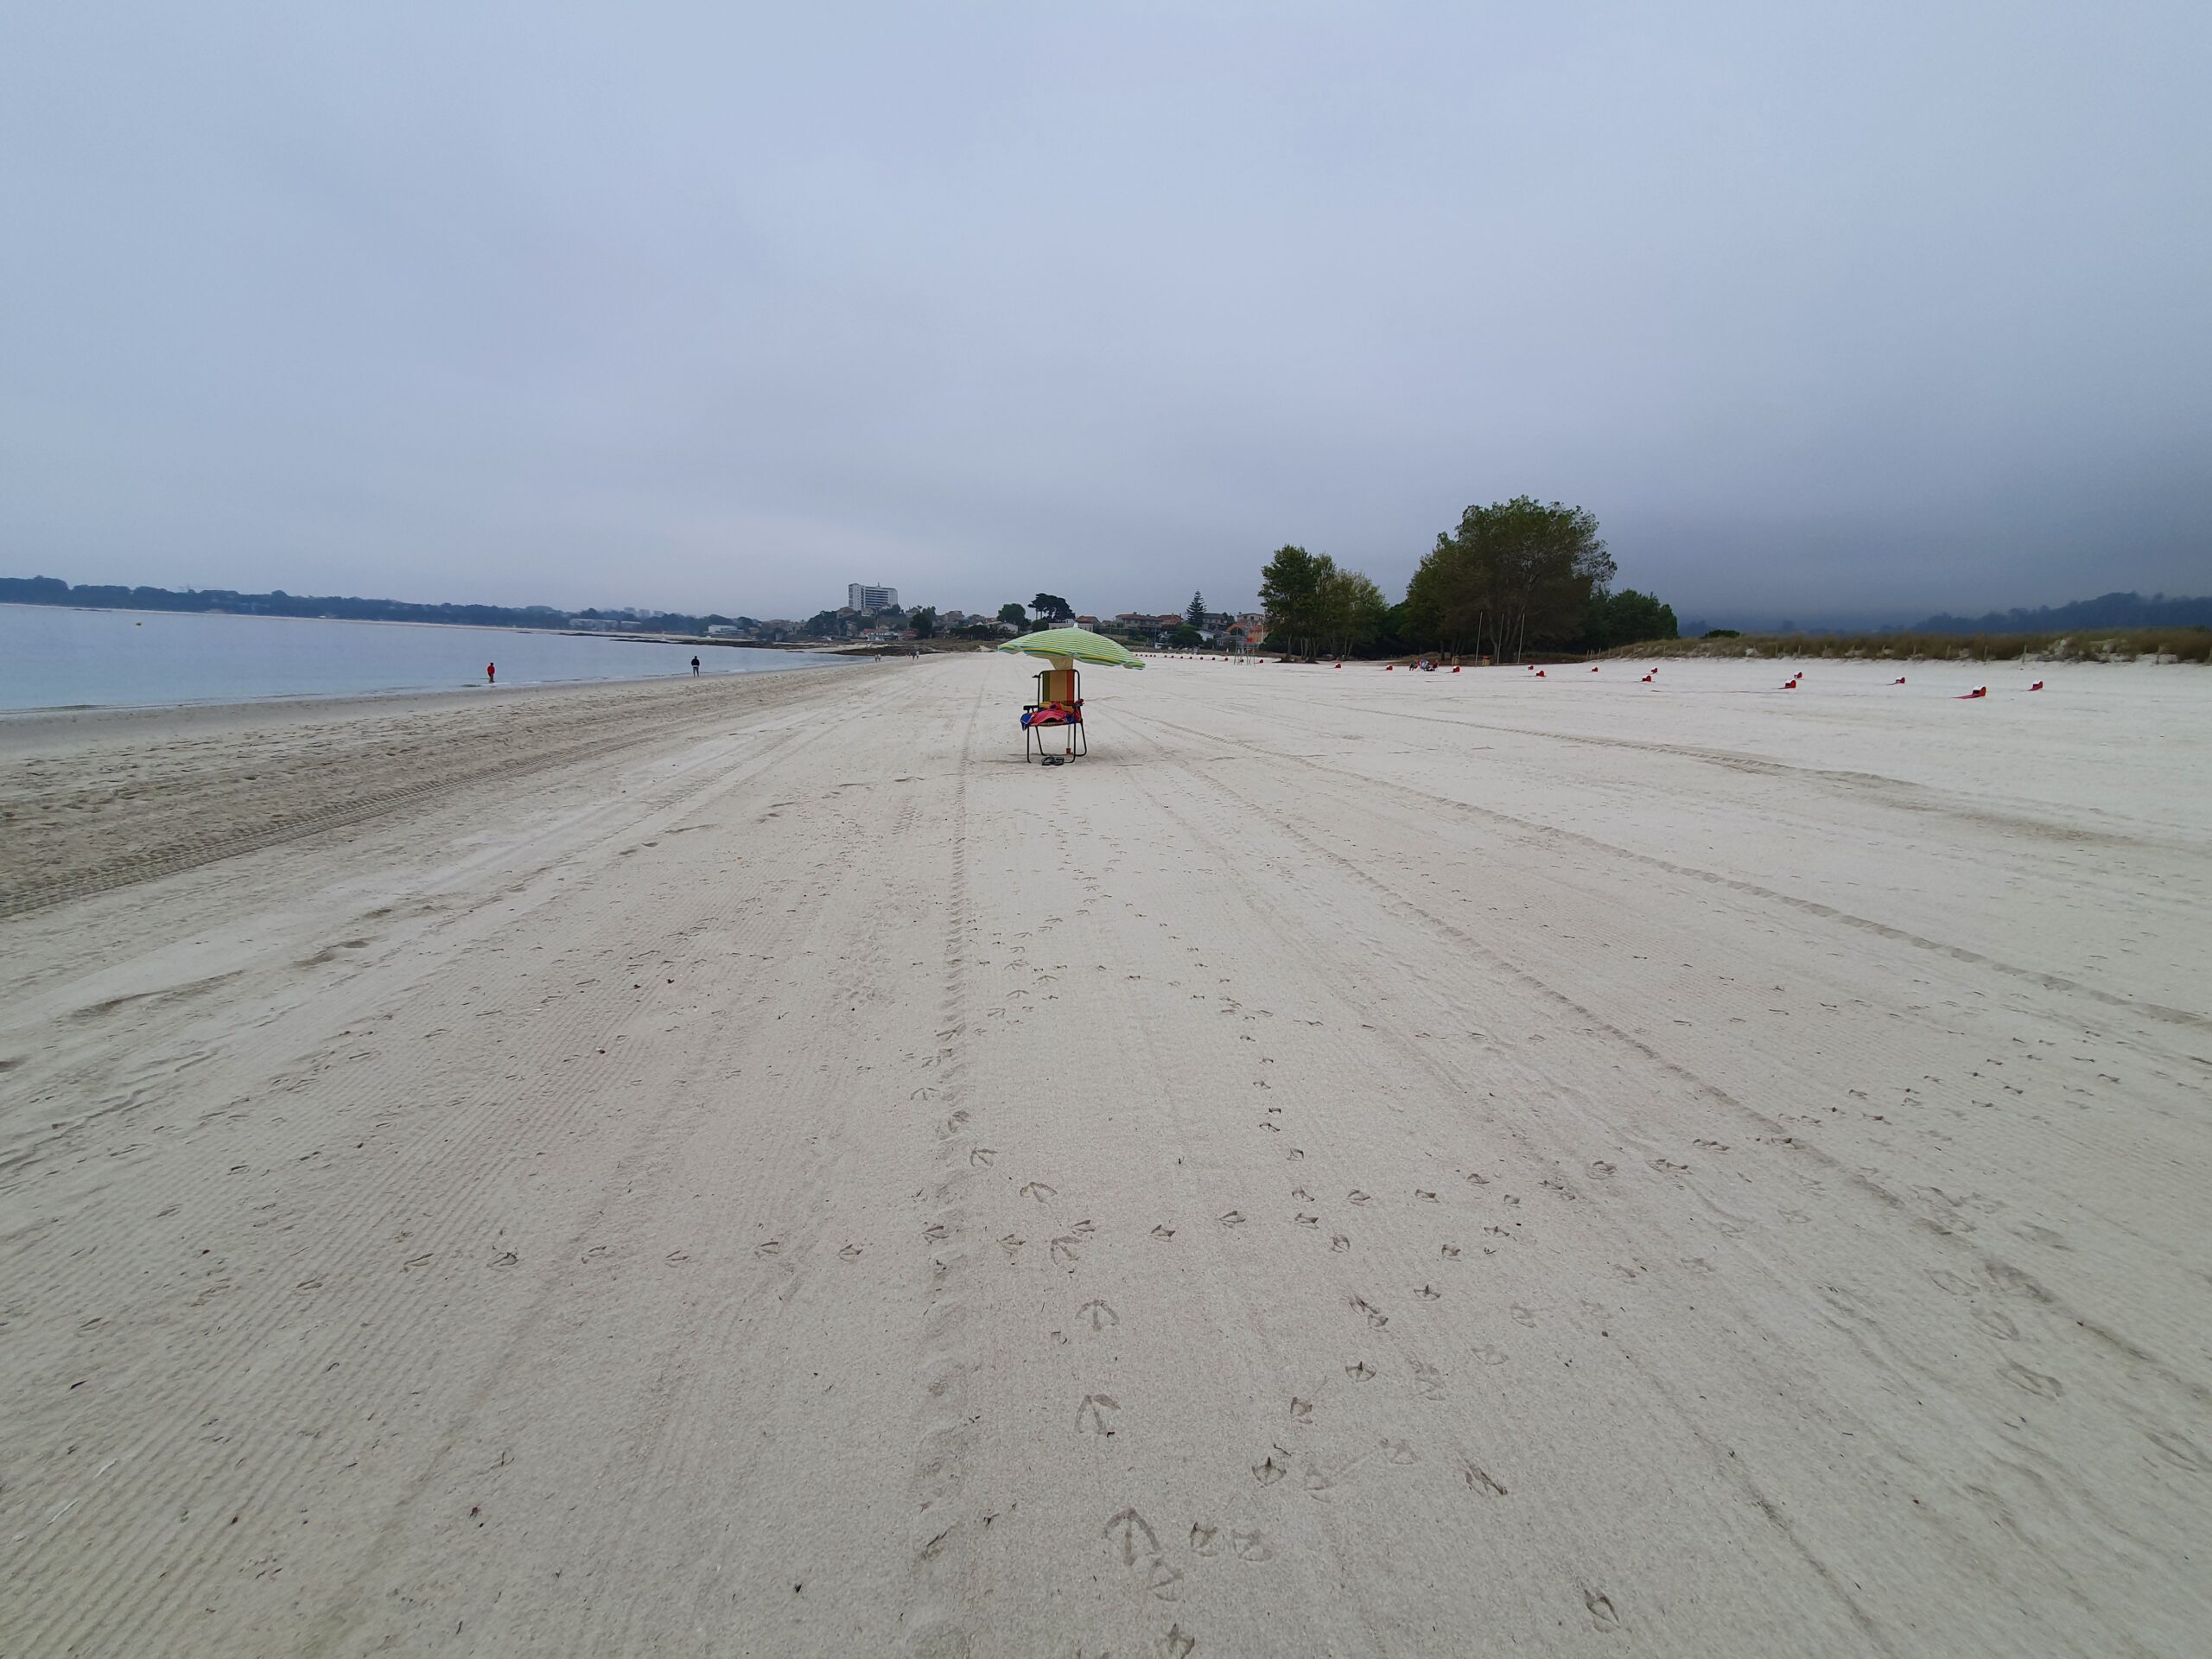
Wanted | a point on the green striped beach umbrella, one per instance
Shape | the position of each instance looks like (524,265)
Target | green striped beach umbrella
(1063,647)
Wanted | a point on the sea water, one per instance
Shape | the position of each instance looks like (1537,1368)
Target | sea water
(52,656)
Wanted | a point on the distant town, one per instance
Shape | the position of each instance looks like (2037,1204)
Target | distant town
(873,614)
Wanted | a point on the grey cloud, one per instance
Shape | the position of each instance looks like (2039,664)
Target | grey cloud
(1857,311)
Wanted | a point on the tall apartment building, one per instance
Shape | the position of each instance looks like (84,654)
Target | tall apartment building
(860,596)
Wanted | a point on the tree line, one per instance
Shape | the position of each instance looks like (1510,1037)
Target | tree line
(1510,578)
(51,590)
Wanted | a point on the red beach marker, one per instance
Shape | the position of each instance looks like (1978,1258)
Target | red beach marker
(1979,691)
(2037,686)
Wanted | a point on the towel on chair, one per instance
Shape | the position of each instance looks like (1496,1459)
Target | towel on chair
(1053,714)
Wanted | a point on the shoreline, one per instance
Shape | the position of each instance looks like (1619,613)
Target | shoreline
(801,658)
(29,731)
(94,798)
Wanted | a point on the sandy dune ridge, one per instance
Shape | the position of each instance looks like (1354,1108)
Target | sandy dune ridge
(1563,1166)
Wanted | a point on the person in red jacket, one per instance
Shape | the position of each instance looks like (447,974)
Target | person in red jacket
(490,673)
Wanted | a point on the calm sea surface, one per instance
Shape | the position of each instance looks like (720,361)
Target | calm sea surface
(52,658)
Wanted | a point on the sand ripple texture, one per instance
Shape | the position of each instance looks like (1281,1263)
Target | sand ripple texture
(1564,1167)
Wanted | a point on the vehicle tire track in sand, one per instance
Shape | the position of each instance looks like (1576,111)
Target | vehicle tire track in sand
(1724,1465)
(2046,981)
(1994,1265)
(938,1598)
(1416,1357)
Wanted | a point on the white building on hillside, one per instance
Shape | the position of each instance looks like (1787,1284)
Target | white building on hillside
(863,598)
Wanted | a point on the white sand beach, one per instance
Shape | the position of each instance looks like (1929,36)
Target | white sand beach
(1364,1163)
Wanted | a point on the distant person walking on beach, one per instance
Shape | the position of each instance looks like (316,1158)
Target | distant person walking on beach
(490,673)
(695,668)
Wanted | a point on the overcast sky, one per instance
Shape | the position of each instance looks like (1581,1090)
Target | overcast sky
(1847,311)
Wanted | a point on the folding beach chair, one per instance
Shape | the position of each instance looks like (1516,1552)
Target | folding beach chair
(1060,702)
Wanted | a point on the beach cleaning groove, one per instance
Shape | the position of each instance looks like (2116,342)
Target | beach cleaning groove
(478,1154)
(251,830)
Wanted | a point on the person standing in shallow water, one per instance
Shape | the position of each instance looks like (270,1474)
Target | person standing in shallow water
(490,673)
(695,668)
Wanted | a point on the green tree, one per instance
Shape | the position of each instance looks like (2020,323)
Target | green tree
(1290,592)
(1195,612)
(1184,638)
(1314,606)
(1627,618)
(1051,607)
(1352,610)
(1013,615)
(923,617)
(1515,573)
